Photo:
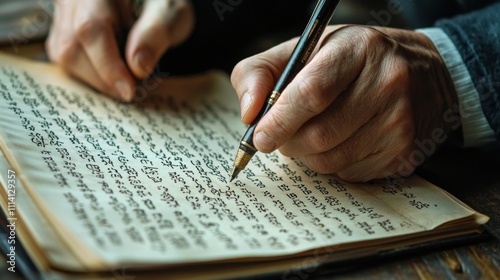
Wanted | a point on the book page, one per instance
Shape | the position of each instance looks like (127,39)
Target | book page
(148,183)
(29,224)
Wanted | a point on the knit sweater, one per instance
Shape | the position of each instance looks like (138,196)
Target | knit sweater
(476,36)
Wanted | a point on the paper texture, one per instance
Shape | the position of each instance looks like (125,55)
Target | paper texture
(147,183)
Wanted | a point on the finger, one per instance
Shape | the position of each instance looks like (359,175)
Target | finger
(384,165)
(64,49)
(253,78)
(372,167)
(162,24)
(351,110)
(387,162)
(59,36)
(314,88)
(95,27)
(386,136)
(352,150)
(82,68)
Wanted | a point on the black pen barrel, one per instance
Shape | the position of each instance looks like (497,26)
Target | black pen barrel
(320,18)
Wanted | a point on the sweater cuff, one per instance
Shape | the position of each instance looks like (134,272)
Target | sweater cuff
(476,129)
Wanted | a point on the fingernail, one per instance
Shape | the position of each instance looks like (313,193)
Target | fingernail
(245,103)
(124,90)
(144,60)
(264,143)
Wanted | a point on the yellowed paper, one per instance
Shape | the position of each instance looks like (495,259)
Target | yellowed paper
(147,183)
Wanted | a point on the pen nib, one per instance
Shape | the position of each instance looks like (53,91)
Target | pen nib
(235,173)
(241,160)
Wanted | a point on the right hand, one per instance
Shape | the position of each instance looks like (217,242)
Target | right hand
(85,40)
(373,102)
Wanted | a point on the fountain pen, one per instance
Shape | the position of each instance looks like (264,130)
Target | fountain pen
(320,18)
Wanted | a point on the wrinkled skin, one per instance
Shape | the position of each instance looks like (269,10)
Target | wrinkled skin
(371,103)
(85,39)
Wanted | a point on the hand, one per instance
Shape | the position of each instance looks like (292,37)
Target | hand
(86,36)
(371,103)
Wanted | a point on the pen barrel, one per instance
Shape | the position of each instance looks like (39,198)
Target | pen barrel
(320,18)
(248,136)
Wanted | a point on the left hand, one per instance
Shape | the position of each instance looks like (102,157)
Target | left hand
(370,101)
(86,38)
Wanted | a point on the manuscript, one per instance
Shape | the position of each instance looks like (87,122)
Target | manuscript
(97,187)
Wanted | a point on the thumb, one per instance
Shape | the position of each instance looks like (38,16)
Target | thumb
(253,78)
(162,24)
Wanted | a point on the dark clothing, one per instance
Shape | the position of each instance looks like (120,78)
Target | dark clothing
(474,28)
(476,36)
(425,13)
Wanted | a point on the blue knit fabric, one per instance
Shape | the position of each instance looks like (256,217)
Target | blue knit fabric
(476,36)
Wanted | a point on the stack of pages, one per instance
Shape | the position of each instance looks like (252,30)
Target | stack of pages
(97,188)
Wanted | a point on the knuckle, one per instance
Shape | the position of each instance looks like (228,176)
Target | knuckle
(287,150)
(355,31)
(319,139)
(402,147)
(87,29)
(389,173)
(310,99)
(398,122)
(401,151)
(279,124)
(322,166)
(343,158)
(349,176)
(397,74)
(317,164)
(328,163)
(108,72)
(402,128)
(360,36)
(371,36)
(356,176)
(252,70)
(67,53)
(239,70)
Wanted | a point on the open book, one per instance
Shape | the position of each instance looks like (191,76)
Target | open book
(96,187)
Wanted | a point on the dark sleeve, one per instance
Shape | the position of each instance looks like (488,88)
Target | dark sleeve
(476,36)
